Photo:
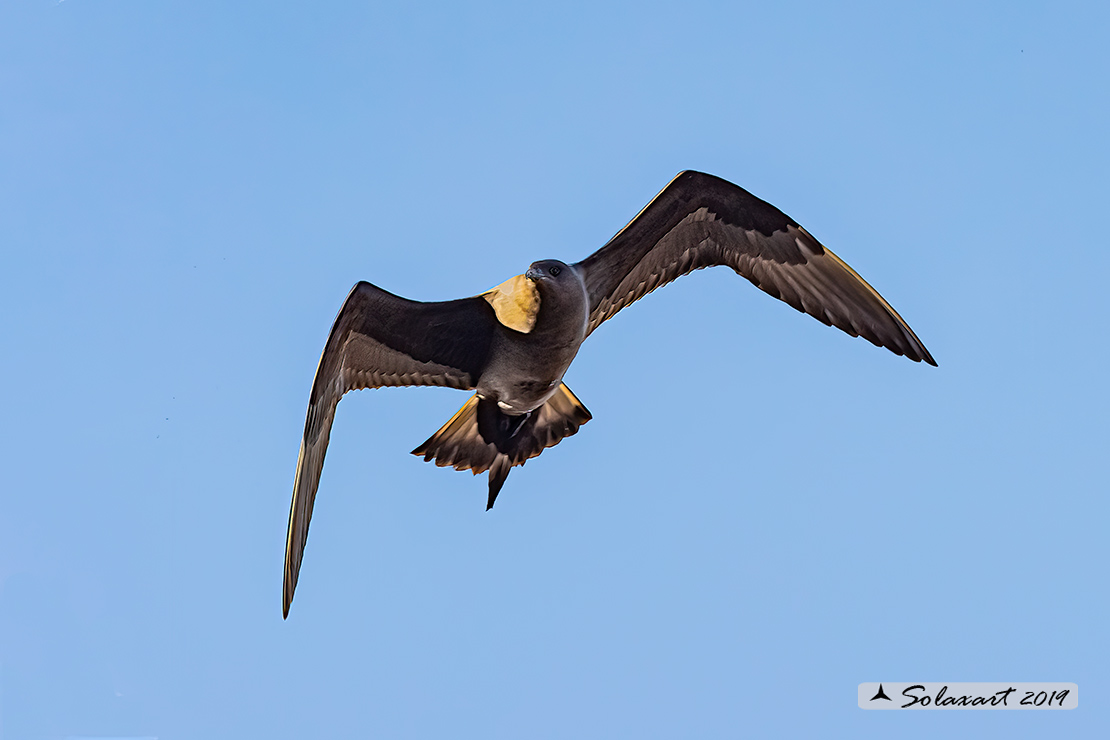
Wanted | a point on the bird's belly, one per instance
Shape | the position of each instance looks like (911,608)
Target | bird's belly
(521,379)
(518,395)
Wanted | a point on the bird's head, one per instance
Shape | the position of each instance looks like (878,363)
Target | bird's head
(561,288)
(549,271)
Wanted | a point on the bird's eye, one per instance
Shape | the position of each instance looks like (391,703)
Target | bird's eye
(554,271)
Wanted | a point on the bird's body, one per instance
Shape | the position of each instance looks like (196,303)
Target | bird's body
(525,368)
(513,344)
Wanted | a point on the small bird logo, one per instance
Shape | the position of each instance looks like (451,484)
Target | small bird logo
(881,694)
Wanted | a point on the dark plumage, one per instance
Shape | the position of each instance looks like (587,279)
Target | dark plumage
(513,343)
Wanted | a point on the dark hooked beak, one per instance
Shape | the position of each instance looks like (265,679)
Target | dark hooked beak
(534,273)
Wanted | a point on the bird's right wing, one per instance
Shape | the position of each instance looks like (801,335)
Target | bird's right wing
(698,221)
(380,339)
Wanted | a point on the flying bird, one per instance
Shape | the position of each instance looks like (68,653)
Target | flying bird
(512,344)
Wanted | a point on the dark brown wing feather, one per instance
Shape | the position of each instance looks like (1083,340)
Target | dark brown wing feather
(698,221)
(380,339)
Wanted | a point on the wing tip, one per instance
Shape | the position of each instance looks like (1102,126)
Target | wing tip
(288,586)
(916,352)
(916,346)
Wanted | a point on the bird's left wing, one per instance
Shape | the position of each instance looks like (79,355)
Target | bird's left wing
(380,339)
(698,221)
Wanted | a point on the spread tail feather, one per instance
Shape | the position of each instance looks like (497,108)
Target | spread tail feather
(479,437)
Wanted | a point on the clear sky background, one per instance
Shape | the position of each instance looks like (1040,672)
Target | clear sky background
(763,513)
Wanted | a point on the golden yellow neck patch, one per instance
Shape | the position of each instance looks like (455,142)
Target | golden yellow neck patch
(515,303)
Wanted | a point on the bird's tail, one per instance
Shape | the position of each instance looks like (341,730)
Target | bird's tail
(479,437)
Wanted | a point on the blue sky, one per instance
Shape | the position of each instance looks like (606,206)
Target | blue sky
(763,513)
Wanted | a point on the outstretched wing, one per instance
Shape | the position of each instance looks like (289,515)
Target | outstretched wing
(698,221)
(380,339)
